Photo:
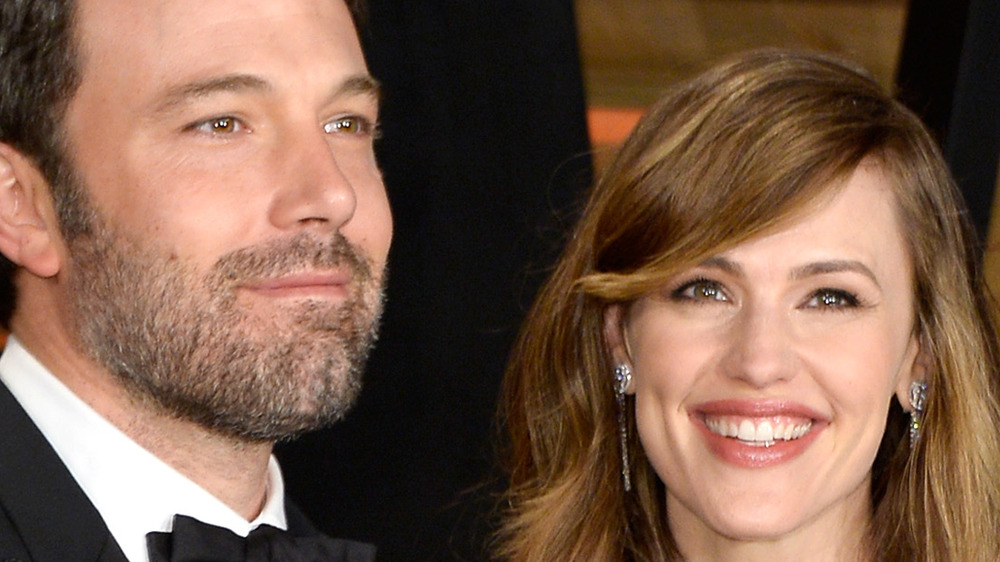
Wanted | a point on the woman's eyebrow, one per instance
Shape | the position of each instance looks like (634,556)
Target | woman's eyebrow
(808,270)
(725,264)
(834,266)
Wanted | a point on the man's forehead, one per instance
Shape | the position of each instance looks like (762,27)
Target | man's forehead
(153,41)
(163,9)
(157,23)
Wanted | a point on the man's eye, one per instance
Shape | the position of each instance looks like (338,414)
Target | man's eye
(701,290)
(353,125)
(226,125)
(832,299)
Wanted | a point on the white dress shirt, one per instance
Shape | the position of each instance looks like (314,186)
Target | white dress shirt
(134,491)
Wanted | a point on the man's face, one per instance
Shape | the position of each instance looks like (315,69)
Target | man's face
(239,225)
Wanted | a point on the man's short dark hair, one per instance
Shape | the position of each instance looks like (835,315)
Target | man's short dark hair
(359,12)
(39,72)
(38,75)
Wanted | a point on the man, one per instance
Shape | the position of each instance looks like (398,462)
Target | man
(196,231)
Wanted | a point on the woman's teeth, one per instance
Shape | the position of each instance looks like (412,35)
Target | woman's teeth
(762,433)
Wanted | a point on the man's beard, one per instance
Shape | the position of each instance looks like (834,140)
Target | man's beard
(181,341)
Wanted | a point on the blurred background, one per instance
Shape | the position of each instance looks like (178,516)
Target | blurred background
(632,50)
(496,117)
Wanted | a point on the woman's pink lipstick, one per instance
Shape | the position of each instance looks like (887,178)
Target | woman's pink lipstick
(757,434)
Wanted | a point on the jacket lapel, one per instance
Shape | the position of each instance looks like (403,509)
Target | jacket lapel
(46,517)
(40,499)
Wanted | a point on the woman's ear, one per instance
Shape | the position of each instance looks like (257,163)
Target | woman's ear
(917,367)
(29,231)
(614,333)
(617,339)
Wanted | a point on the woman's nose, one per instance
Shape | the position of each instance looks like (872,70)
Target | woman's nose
(759,350)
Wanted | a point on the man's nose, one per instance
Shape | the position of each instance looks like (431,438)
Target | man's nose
(759,348)
(314,190)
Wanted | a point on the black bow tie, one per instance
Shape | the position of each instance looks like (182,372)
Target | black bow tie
(194,541)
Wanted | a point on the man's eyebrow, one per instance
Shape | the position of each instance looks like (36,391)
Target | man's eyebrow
(188,91)
(358,85)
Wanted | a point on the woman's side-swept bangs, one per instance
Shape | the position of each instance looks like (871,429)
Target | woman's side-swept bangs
(728,157)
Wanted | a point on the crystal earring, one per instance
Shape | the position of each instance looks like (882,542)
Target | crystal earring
(918,400)
(623,379)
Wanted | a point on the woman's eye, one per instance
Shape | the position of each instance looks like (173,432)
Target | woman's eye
(352,125)
(701,290)
(832,299)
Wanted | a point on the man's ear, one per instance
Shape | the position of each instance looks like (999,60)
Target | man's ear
(29,231)
(917,366)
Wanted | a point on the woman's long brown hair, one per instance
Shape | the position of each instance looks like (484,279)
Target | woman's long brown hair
(733,154)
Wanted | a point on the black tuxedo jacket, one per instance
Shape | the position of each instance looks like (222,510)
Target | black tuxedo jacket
(46,517)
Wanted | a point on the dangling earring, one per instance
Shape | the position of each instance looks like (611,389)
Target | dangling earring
(918,399)
(623,378)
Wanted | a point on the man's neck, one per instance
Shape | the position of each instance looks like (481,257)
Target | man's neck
(233,471)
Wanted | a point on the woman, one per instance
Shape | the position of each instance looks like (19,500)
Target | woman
(768,339)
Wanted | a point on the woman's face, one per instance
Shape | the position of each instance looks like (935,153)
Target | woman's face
(763,376)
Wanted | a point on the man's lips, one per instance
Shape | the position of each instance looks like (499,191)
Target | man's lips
(306,284)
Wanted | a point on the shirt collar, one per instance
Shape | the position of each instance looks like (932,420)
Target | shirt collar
(134,491)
